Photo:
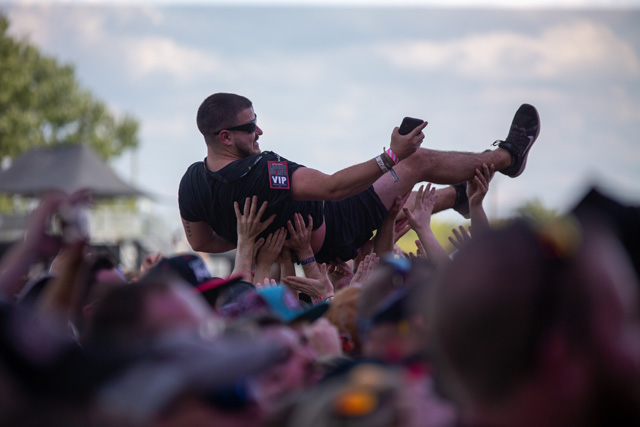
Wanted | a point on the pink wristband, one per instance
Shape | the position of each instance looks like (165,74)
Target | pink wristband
(392,156)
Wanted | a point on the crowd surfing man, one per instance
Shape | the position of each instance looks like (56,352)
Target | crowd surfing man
(345,207)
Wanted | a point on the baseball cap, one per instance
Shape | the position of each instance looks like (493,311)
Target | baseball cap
(276,301)
(225,290)
(189,267)
(287,307)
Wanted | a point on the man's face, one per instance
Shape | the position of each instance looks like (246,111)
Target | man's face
(246,143)
(294,373)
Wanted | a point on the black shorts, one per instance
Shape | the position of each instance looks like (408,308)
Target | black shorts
(350,223)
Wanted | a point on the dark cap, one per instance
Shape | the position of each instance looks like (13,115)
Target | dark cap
(189,267)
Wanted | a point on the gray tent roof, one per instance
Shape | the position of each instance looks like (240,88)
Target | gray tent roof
(67,168)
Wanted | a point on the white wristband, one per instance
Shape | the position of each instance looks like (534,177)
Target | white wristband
(383,167)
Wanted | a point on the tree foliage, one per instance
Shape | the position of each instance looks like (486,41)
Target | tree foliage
(41,103)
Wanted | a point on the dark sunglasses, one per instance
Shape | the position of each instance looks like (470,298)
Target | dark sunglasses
(247,127)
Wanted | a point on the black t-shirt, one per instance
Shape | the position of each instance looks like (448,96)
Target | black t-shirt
(208,196)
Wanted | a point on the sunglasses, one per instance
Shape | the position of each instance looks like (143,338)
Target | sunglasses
(247,127)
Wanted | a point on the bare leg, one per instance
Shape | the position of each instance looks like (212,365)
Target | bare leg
(438,167)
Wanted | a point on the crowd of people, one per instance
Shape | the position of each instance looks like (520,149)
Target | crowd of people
(322,322)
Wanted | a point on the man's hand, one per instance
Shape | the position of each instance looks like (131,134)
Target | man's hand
(369,264)
(405,145)
(420,216)
(270,251)
(420,220)
(478,186)
(460,237)
(248,223)
(299,236)
(340,274)
(313,287)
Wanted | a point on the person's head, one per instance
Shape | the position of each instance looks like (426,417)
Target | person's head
(391,325)
(133,314)
(546,311)
(343,313)
(229,119)
(102,275)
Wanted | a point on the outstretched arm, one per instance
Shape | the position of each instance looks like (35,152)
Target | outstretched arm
(477,189)
(249,227)
(300,242)
(311,184)
(420,219)
(390,230)
(37,244)
(268,254)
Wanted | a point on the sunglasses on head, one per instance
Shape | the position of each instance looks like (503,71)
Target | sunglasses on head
(247,127)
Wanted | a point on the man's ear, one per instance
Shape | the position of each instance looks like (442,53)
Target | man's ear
(225,138)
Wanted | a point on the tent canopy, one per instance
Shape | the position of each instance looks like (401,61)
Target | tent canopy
(67,168)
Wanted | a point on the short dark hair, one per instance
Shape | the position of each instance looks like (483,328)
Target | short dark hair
(220,110)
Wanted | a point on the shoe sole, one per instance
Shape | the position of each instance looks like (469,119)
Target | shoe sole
(526,151)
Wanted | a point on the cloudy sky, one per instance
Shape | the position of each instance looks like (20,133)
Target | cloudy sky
(330,82)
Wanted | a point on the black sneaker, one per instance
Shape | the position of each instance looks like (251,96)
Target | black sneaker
(525,128)
(461,204)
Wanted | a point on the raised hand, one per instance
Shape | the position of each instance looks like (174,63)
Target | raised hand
(313,287)
(269,253)
(420,219)
(340,274)
(419,216)
(460,237)
(249,223)
(299,235)
(369,264)
(405,145)
(478,186)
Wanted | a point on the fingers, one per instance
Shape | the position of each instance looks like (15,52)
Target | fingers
(419,196)
(418,129)
(247,206)
(281,236)
(402,228)
(310,226)
(465,234)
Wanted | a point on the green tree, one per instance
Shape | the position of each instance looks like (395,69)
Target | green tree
(41,103)
(535,210)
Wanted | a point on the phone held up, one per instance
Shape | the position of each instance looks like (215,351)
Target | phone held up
(408,124)
(70,224)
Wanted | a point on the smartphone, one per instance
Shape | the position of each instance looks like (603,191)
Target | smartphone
(70,224)
(408,124)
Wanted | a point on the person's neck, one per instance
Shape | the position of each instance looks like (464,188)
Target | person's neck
(218,159)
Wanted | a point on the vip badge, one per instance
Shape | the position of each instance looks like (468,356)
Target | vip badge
(278,175)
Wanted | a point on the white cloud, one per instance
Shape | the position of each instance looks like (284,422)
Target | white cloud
(142,55)
(149,55)
(579,48)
